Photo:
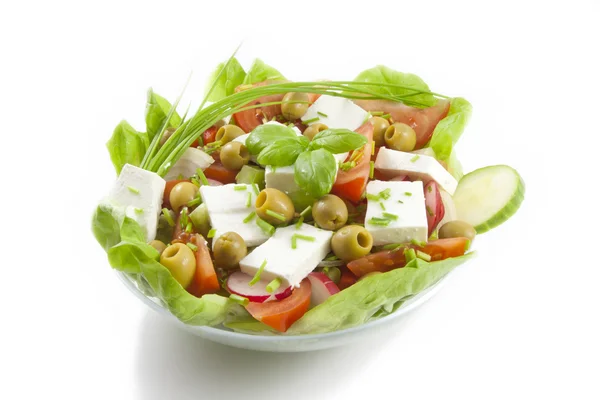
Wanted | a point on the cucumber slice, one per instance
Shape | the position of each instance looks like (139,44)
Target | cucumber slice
(487,197)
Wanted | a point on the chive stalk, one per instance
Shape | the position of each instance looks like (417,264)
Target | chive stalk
(192,246)
(273,285)
(168,217)
(133,190)
(371,169)
(250,217)
(266,227)
(274,214)
(423,256)
(310,121)
(256,277)
(244,301)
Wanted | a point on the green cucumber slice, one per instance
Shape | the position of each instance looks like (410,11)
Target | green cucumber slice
(488,196)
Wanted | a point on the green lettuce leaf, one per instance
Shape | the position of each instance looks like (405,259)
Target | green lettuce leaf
(126,255)
(385,75)
(105,228)
(157,109)
(448,130)
(225,84)
(259,72)
(455,167)
(364,300)
(127,146)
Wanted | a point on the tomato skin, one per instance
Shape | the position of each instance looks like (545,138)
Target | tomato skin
(218,172)
(167,193)
(205,279)
(388,260)
(280,315)
(347,279)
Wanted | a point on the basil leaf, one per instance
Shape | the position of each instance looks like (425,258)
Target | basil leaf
(157,109)
(260,72)
(448,130)
(264,135)
(315,172)
(283,152)
(383,74)
(337,140)
(225,84)
(127,146)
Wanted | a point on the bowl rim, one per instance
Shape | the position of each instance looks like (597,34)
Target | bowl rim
(410,304)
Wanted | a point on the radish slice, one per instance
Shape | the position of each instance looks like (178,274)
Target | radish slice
(449,209)
(212,182)
(400,178)
(434,205)
(238,283)
(321,288)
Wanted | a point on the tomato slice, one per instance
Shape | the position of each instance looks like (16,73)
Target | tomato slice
(347,279)
(282,314)
(167,193)
(219,173)
(205,278)
(388,260)
(351,184)
(250,119)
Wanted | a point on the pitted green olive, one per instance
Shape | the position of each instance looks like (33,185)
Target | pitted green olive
(351,242)
(234,156)
(400,137)
(228,250)
(313,129)
(227,133)
(181,194)
(330,212)
(272,201)
(181,261)
(290,106)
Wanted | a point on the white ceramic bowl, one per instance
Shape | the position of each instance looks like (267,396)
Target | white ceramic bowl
(291,343)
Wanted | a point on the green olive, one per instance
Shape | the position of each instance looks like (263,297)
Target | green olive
(401,137)
(228,250)
(454,229)
(181,261)
(158,245)
(380,125)
(181,194)
(351,242)
(234,156)
(166,135)
(369,274)
(274,201)
(227,133)
(293,111)
(313,129)
(330,212)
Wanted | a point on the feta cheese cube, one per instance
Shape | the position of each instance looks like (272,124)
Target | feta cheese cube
(284,262)
(228,207)
(336,112)
(405,201)
(419,166)
(189,162)
(138,194)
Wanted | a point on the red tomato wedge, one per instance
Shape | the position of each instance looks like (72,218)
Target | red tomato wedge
(351,184)
(422,120)
(167,193)
(347,278)
(205,278)
(388,260)
(280,315)
(219,173)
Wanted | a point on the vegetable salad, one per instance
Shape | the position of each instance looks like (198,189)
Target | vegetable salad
(297,207)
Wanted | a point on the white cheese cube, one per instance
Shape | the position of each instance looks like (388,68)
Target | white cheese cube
(294,128)
(227,208)
(138,194)
(336,113)
(189,162)
(419,166)
(284,262)
(281,178)
(406,201)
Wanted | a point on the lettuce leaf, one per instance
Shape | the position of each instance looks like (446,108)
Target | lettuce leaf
(260,72)
(225,85)
(448,130)
(105,228)
(127,146)
(386,75)
(364,300)
(157,109)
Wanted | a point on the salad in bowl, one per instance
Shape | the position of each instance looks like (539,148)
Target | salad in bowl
(294,208)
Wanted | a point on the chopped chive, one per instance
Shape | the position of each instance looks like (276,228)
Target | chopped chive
(372,148)
(239,188)
(273,285)
(356,155)
(139,210)
(423,256)
(195,181)
(377,113)
(348,165)
(201,176)
(409,254)
(255,188)
(393,217)
(184,217)
(400,201)
(429,188)
(371,169)
(189,227)
(266,227)
(304,237)
(211,233)
(322,114)
(244,301)
(133,190)
(180,176)
(381,205)
(192,246)
(299,222)
(429,211)
(310,121)
(407,193)
(372,197)
(385,116)
(274,214)
(294,242)
(168,217)
(415,158)
(392,246)
(256,277)
(194,202)
(385,194)
(418,243)
(250,217)
(249,200)
(306,211)
(379,221)
(332,258)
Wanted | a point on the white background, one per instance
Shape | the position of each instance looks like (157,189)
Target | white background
(520,322)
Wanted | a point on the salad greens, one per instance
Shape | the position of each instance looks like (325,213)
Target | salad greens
(260,72)
(127,146)
(315,172)
(224,80)
(448,130)
(157,110)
